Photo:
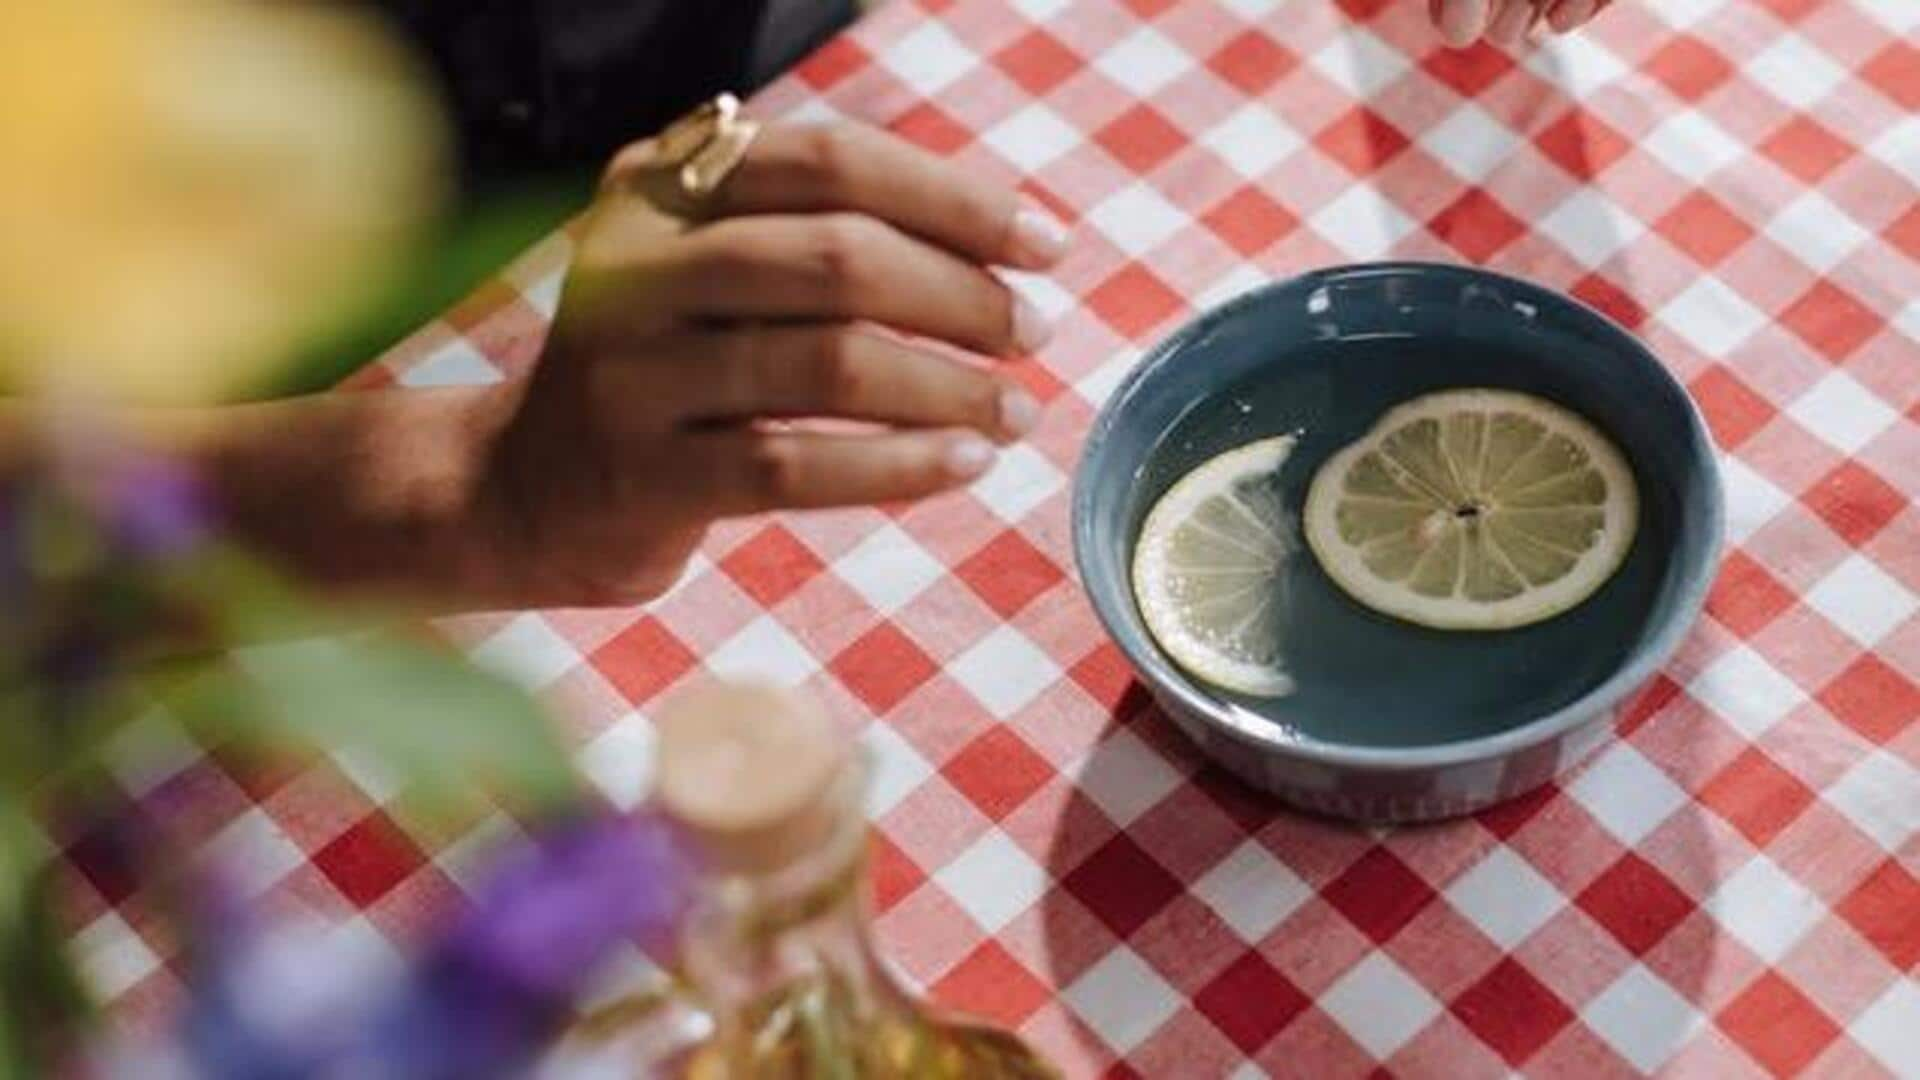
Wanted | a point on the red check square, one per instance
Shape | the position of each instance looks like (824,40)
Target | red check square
(772,565)
(1778,1025)
(882,667)
(1755,795)
(1477,225)
(1140,138)
(1133,301)
(1252,62)
(1745,598)
(998,771)
(1361,140)
(1855,502)
(1122,885)
(1251,1002)
(1873,699)
(643,660)
(1637,903)
(1038,62)
(1704,228)
(1733,410)
(991,984)
(1582,143)
(1885,909)
(369,859)
(1828,318)
(1249,221)
(1806,149)
(1689,67)
(1512,1011)
(1378,894)
(1891,72)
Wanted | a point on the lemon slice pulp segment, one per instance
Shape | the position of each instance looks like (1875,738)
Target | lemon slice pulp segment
(1473,509)
(1209,570)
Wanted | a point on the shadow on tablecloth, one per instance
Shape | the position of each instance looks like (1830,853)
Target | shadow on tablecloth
(1200,924)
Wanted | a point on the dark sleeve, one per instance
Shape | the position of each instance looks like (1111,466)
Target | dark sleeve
(535,85)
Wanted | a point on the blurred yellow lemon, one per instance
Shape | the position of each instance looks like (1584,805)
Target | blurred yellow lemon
(190,187)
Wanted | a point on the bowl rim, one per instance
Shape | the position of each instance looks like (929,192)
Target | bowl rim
(1161,676)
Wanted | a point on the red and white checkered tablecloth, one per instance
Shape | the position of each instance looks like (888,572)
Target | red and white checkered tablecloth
(1730,888)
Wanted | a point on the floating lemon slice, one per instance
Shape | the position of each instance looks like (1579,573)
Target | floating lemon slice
(1209,570)
(1473,510)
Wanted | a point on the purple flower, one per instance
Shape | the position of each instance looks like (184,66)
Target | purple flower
(493,990)
(156,507)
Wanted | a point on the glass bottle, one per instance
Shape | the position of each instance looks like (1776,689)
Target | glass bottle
(777,951)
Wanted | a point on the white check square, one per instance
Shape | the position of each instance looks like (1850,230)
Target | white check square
(929,58)
(528,651)
(1713,318)
(1693,146)
(888,569)
(1795,72)
(1471,142)
(1642,1018)
(1380,1005)
(1122,999)
(1252,139)
(1137,219)
(1505,897)
(1752,499)
(763,649)
(1591,227)
(1143,62)
(1765,908)
(1818,233)
(1252,891)
(1125,777)
(1004,671)
(1628,794)
(1881,796)
(1863,600)
(1842,412)
(1032,137)
(1746,691)
(994,880)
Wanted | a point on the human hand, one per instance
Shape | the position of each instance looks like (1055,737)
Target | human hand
(679,350)
(1508,22)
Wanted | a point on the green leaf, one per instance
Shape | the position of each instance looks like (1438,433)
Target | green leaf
(473,246)
(445,729)
(41,995)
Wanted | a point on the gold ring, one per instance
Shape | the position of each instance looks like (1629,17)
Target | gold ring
(680,169)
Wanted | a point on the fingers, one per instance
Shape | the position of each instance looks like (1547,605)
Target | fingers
(799,170)
(1570,15)
(824,370)
(841,267)
(1461,22)
(748,472)
(1510,21)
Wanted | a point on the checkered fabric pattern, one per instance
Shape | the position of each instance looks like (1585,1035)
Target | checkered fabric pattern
(1730,888)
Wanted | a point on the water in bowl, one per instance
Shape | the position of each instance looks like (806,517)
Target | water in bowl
(1363,678)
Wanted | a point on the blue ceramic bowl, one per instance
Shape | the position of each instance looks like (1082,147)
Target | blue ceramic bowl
(1391,721)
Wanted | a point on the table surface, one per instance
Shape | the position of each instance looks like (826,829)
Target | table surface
(1729,888)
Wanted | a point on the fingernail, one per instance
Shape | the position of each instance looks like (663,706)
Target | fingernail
(968,456)
(1570,15)
(1463,21)
(1030,328)
(1038,238)
(1019,412)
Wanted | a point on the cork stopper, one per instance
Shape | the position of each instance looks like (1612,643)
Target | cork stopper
(750,772)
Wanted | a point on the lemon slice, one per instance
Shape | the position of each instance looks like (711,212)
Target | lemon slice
(1208,572)
(1473,510)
